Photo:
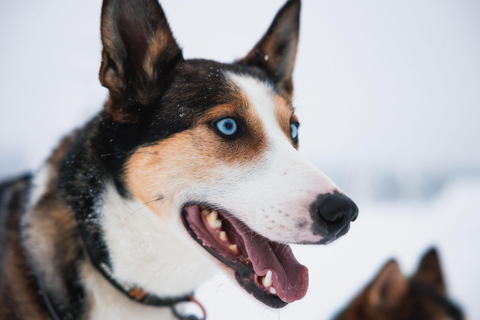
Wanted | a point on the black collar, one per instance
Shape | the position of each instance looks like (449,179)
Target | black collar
(96,250)
(136,294)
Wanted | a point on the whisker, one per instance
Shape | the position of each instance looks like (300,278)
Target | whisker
(111,154)
(144,205)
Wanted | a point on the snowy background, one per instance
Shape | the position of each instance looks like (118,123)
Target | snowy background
(388,93)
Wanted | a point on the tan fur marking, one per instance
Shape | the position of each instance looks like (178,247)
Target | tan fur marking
(267,48)
(195,156)
(58,155)
(117,112)
(50,230)
(18,297)
(109,78)
(284,116)
(156,44)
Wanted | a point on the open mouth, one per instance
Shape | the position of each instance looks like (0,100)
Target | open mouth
(268,270)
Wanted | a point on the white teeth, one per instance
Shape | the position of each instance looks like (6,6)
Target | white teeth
(214,214)
(267,280)
(273,291)
(233,247)
(222,235)
(213,221)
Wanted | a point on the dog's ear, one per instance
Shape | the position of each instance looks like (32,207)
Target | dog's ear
(429,271)
(388,287)
(139,53)
(275,52)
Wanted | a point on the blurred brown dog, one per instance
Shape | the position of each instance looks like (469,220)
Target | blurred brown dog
(393,296)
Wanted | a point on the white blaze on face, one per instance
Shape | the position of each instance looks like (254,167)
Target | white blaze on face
(259,177)
(274,200)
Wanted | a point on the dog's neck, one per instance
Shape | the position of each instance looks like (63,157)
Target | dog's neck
(152,252)
(145,250)
(106,302)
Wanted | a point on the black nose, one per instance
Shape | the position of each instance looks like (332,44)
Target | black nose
(332,214)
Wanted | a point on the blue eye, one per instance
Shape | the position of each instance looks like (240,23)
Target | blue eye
(294,131)
(227,126)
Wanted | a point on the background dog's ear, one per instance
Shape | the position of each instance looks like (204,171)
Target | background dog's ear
(429,271)
(275,52)
(139,52)
(388,287)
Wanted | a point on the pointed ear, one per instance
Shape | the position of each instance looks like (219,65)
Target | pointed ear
(275,52)
(388,287)
(429,271)
(139,52)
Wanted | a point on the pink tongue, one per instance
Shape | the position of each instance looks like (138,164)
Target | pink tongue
(290,278)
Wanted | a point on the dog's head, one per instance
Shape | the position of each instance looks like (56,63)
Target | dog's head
(213,147)
(391,295)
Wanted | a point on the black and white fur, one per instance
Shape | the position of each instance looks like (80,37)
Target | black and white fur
(106,213)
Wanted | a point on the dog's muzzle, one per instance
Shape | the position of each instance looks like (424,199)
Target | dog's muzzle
(332,214)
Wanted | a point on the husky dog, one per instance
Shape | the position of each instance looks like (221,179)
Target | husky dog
(392,296)
(191,165)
